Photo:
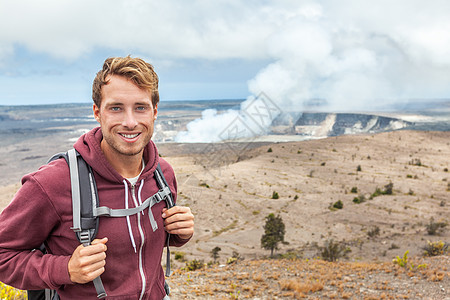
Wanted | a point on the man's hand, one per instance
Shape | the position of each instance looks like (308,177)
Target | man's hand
(179,220)
(87,263)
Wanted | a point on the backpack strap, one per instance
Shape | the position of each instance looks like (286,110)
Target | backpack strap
(84,197)
(164,193)
(162,183)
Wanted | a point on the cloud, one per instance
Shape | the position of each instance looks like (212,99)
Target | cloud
(355,54)
(176,29)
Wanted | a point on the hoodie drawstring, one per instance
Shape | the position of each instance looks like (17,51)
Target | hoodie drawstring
(136,205)
(139,194)
(128,217)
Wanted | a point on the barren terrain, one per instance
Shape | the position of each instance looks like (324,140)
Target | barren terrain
(230,189)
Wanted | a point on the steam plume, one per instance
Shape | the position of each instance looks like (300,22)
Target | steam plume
(357,56)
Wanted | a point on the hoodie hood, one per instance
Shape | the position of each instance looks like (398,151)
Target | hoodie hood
(88,145)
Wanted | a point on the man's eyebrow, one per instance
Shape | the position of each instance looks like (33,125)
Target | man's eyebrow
(115,103)
(142,104)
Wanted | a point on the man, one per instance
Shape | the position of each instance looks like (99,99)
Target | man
(127,253)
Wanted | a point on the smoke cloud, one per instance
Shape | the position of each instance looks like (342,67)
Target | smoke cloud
(356,56)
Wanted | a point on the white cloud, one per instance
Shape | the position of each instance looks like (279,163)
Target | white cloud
(349,49)
(180,29)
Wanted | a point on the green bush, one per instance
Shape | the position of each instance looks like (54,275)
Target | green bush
(275,195)
(354,190)
(338,205)
(388,190)
(360,199)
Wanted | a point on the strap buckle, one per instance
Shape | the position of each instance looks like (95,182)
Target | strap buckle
(85,237)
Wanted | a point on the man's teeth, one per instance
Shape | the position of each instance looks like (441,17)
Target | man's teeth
(130,136)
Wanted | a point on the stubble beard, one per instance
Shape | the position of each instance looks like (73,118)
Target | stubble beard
(123,150)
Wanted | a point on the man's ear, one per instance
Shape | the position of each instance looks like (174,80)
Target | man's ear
(96,111)
(155,111)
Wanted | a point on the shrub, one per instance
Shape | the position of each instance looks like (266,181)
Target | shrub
(179,255)
(338,204)
(358,168)
(415,162)
(373,232)
(394,246)
(269,150)
(434,228)
(388,190)
(359,199)
(275,195)
(236,255)
(215,253)
(354,190)
(436,248)
(332,251)
(401,261)
(194,265)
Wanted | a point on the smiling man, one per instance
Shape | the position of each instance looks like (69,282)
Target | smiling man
(128,252)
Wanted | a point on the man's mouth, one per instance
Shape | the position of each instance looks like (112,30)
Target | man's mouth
(129,136)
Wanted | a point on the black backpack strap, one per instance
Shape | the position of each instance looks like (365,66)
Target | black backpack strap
(84,197)
(162,184)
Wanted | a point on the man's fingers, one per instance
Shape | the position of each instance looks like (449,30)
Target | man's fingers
(93,249)
(176,214)
(167,213)
(171,227)
(179,220)
(88,262)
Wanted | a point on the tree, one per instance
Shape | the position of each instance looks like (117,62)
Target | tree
(274,231)
(215,253)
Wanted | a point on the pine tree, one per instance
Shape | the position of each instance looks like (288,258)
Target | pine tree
(274,231)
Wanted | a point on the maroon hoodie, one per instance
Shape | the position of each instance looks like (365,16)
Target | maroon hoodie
(42,211)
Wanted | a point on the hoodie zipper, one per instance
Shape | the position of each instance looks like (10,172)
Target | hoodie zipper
(141,232)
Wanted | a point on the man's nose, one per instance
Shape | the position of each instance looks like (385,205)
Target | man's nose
(130,121)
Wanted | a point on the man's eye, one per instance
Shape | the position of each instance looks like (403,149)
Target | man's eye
(115,108)
(141,108)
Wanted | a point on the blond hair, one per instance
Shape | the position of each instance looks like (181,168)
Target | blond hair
(136,69)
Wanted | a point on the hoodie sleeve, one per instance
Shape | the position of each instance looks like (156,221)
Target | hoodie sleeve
(24,225)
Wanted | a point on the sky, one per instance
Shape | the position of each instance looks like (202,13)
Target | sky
(351,54)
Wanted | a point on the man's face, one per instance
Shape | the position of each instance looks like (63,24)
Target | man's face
(126,116)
